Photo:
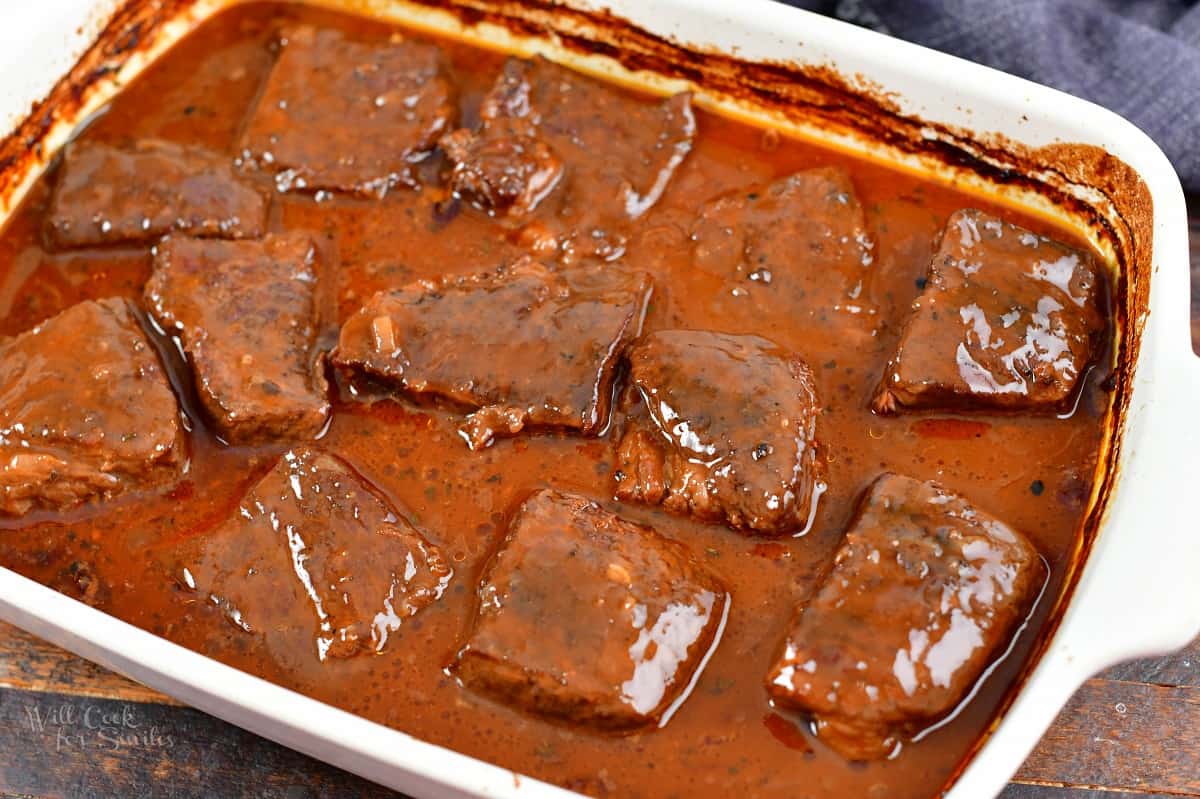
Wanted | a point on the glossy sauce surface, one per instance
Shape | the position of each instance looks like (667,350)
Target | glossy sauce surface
(1033,472)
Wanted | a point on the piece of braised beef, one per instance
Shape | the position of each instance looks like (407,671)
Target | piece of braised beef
(725,431)
(797,246)
(246,314)
(1008,320)
(110,194)
(588,618)
(523,346)
(314,564)
(925,593)
(567,159)
(86,411)
(344,115)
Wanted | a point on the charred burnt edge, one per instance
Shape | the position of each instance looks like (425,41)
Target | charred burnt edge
(128,40)
(22,148)
(102,71)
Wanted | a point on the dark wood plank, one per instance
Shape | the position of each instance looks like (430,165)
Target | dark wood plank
(1022,790)
(27,662)
(56,744)
(1180,668)
(1125,736)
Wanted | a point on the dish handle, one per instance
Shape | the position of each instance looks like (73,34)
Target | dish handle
(1139,594)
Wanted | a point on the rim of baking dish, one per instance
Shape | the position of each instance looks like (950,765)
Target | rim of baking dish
(1133,593)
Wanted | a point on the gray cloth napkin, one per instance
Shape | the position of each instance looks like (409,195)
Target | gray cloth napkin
(1139,58)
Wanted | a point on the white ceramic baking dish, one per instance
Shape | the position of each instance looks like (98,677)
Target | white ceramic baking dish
(1136,592)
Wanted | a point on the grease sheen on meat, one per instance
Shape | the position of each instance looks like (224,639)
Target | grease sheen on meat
(1009,320)
(109,194)
(313,563)
(521,346)
(925,592)
(86,411)
(541,146)
(246,314)
(396,93)
(727,433)
(589,618)
(799,243)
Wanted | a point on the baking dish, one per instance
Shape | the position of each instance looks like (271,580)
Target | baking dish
(820,79)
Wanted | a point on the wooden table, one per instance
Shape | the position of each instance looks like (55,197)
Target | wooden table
(1133,732)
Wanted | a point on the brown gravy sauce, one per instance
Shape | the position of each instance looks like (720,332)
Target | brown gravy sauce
(1036,473)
